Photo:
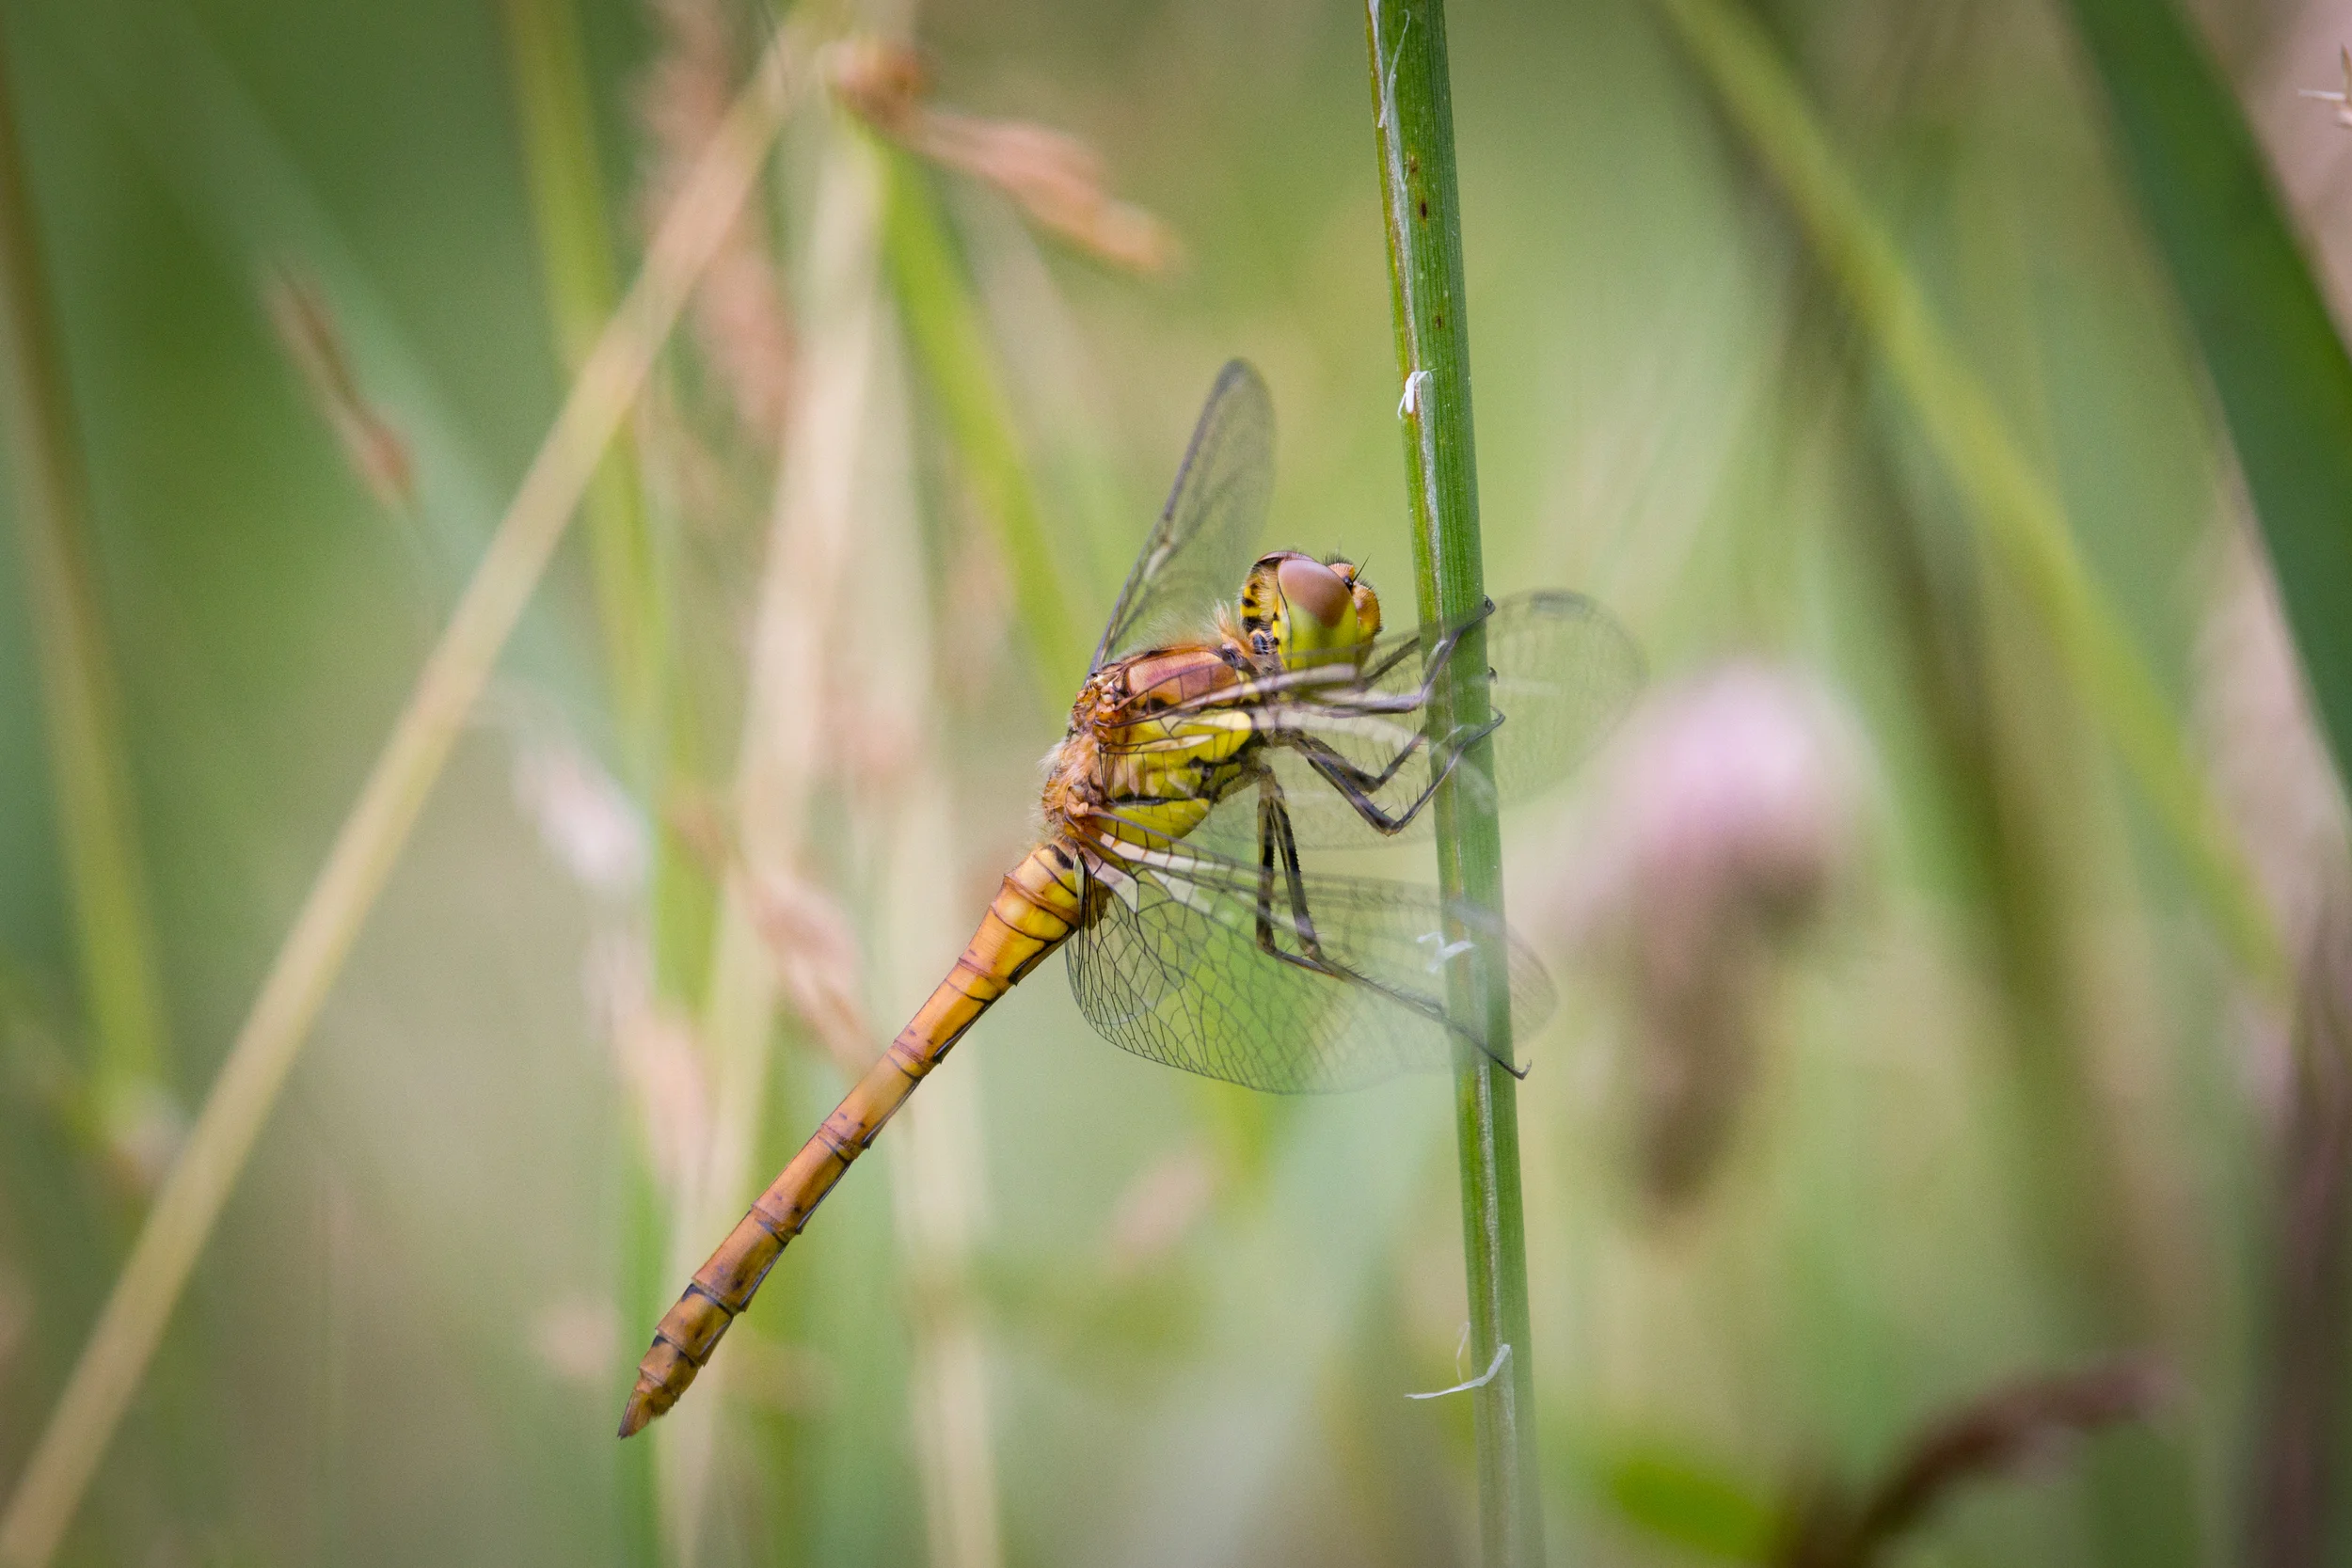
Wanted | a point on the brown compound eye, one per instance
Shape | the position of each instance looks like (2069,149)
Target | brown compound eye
(1311,586)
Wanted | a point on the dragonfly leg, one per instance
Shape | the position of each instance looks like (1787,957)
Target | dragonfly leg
(1440,655)
(1278,845)
(1439,652)
(1267,805)
(1334,767)
(1322,753)
(1356,786)
(1346,696)
(1342,687)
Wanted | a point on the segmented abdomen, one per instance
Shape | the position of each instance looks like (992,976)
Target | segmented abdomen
(1033,914)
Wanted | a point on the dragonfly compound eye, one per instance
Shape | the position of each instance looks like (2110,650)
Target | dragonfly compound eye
(1311,586)
(1319,610)
(1367,602)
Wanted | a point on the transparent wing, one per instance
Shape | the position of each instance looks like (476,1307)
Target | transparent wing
(1170,966)
(1207,535)
(1561,673)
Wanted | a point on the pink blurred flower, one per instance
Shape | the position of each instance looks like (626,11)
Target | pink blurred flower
(1729,811)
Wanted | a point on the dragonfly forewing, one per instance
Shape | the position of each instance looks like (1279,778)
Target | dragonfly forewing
(1204,541)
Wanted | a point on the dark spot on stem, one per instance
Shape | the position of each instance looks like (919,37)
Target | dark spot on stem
(1425,209)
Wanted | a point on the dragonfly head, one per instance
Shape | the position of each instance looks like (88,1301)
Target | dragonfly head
(1296,610)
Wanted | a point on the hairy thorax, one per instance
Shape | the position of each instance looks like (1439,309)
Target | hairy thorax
(1151,749)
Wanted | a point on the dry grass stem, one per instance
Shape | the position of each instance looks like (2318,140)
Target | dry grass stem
(2293,1511)
(306,329)
(1053,176)
(2272,769)
(655,1054)
(2269,762)
(370,840)
(783,748)
(816,957)
(902,814)
(738,320)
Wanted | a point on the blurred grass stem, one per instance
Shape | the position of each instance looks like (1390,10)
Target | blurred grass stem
(553,102)
(551,94)
(783,751)
(81,707)
(947,331)
(904,820)
(371,838)
(1413,118)
(2020,516)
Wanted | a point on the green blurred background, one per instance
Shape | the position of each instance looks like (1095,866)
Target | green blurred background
(1901,1059)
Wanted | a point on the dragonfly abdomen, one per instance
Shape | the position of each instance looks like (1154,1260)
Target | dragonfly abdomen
(1033,913)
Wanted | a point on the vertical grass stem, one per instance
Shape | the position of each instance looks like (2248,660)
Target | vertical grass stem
(1413,119)
(551,95)
(553,102)
(950,338)
(98,843)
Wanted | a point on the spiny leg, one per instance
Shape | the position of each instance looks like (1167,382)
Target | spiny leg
(1295,725)
(1266,838)
(1301,921)
(1439,652)
(1276,843)
(1342,684)
(1356,786)
(1440,655)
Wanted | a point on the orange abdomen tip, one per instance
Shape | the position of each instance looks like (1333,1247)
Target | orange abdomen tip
(657,1387)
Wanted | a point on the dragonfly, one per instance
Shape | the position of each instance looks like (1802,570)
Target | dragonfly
(1212,741)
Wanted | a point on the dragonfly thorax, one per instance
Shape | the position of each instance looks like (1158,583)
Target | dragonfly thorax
(1155,740)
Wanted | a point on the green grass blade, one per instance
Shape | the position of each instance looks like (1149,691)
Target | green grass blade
(1413,119)
(2018,513)
(2278,366)
(98,843)
(551,95)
